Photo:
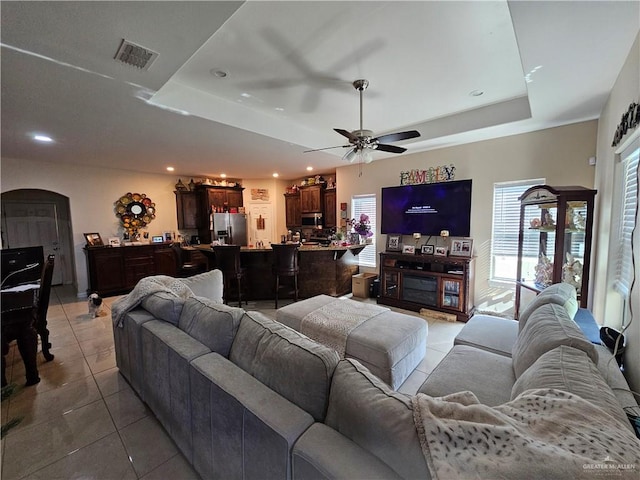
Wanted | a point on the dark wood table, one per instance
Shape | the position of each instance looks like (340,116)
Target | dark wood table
(17,324)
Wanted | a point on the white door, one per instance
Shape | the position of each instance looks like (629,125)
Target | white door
(260,223)
(32,224)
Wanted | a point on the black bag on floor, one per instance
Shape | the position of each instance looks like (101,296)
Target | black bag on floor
(609,337)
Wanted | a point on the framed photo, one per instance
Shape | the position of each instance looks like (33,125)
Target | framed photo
(93,239)
(114,241)
(461,247)
(393,243)
(440,251)
(427,250)
(167,236)
(157,239)
(410,249)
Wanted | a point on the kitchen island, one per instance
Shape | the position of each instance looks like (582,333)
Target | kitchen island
(323,270)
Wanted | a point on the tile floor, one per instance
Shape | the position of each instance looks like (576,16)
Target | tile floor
(84,421)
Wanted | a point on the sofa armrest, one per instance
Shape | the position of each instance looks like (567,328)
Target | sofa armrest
(239,424)
(323,453)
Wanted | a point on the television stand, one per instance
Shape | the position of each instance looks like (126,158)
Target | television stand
(438,283)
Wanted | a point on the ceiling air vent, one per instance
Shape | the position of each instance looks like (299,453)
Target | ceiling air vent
(135,55)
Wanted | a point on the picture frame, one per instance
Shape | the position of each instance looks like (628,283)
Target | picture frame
(394,243)
(427,250)
(461,247)
(157,239)
(409,249)
(114,241)
(93,239)
(440,251)
(168,236)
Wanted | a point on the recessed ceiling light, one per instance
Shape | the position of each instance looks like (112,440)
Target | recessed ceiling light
(275,175)
(279,109)
(42,138)
(216,72)
(309,169)
(223,175)
(476,93)
(170,169)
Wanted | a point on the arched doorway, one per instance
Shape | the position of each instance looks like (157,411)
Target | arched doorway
(32,217)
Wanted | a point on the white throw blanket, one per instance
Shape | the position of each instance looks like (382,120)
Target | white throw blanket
(145,287)
(332,323)
(542,434)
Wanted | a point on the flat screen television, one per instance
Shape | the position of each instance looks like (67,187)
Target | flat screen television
(21,265)
(428,208)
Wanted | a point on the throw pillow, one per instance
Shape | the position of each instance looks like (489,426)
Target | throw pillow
(570,370)
(208,285)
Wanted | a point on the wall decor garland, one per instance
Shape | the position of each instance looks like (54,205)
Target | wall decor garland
(630,119)
(443,173)
(135,211)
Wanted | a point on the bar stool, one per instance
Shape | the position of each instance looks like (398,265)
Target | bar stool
(228,261)
(285,264)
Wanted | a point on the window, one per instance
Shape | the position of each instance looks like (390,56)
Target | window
(366,204)
(505,229)
(626,219)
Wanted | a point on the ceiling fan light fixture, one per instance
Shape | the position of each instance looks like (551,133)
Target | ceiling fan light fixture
(350,156)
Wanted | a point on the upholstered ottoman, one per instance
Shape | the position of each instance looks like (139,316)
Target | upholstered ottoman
(389,344)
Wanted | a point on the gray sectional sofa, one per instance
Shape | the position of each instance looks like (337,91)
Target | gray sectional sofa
(244,396)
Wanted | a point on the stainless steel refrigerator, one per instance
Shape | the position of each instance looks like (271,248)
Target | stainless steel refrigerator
(229,228)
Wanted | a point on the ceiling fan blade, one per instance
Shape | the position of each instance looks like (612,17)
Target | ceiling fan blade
(390,148)
(326,148)
(396,137)
(344,133)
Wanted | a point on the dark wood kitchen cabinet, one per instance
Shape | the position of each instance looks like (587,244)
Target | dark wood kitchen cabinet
(311,199)
(330,208)
(292,210)
(187,210)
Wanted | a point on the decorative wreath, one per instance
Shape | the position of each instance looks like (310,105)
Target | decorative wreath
(135,210)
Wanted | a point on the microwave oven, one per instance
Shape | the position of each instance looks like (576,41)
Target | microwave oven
(312,220)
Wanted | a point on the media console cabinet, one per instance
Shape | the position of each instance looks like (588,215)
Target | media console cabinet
(438,283)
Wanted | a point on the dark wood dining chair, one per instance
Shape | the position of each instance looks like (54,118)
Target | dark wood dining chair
(228,262)
(285,264)
(41,307)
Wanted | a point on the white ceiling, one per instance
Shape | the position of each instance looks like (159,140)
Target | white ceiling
(290,68)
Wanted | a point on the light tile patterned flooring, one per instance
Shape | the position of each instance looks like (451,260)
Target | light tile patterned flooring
(84,421)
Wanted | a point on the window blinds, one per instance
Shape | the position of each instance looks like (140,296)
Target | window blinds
(506,221)
(366,204)
(626,221)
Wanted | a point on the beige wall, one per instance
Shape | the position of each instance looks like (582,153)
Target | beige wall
(92,193)
(608,305)
(561,155)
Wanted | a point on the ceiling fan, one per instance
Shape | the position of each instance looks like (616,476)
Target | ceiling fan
(362,142)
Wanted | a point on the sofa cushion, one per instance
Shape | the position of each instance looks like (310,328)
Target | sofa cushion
(490,333)
(488,375)
(208,285)
(365,410)
(610,371)
(213,324)
(570,370)
(284,359)
(561,294)
(164,306)
(548,327)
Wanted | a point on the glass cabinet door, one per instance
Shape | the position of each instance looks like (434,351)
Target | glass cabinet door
(390,287)
(555,239)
